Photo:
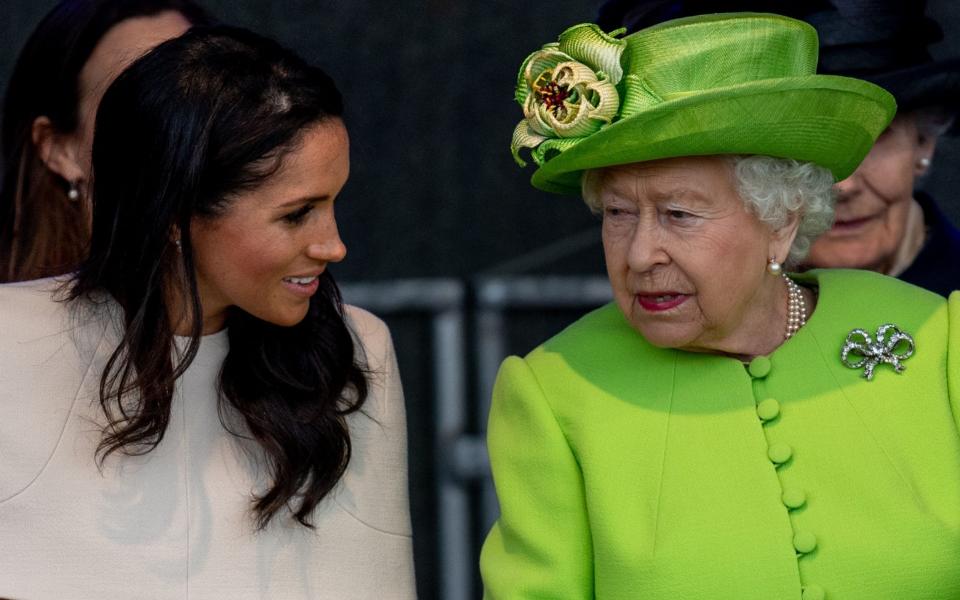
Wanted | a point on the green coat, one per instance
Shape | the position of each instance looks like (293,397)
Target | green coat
(629,471)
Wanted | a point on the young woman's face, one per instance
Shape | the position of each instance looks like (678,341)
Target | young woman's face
(265,254)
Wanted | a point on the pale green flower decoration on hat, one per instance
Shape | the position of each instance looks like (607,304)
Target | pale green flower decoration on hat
(568,91)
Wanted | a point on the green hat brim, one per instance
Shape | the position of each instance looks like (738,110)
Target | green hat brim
(828,120)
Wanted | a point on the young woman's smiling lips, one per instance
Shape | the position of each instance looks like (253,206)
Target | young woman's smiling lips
(660,301)
(302,285)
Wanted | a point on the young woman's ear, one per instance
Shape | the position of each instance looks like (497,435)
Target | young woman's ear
(59,152)
(175,236)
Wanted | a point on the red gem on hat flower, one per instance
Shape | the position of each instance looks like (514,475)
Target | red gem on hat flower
(553,95)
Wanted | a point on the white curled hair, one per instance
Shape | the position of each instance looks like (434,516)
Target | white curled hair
(773,189)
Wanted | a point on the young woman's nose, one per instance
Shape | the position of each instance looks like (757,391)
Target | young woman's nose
(326,244)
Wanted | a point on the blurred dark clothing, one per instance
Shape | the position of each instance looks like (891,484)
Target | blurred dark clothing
(937,267)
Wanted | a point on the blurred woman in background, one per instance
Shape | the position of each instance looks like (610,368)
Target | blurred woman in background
(48,116)
(883,222)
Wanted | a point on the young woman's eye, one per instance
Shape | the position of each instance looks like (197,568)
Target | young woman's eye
(297,216)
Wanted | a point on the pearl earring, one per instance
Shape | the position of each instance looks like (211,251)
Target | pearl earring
(924,162)
(74,192)
(773,267)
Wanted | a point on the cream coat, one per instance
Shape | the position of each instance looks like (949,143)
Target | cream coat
(175,523)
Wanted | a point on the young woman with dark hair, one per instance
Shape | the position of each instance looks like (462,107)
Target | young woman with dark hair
(248,429)
(48,112)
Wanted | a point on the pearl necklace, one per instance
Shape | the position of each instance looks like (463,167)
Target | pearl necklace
(796,308)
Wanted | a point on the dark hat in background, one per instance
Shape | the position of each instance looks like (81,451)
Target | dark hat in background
(882,41)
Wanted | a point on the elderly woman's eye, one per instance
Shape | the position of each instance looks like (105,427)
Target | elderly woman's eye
(678,215)
(615,211)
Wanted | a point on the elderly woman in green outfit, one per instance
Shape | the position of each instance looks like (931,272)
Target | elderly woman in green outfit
(722,430)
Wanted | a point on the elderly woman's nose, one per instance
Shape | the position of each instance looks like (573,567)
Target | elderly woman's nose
(646,251)
(848,187)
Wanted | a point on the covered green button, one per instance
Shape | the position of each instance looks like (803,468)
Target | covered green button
(793,498)
(759,367)
(813,592)
(768,409)
(779,453)
(804,542)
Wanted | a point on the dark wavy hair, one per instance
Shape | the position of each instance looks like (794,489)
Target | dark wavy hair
(178,135)
(42,232)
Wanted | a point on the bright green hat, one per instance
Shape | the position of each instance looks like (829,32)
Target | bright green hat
(740,83)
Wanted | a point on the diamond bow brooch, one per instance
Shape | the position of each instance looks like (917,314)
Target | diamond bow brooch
(891,346)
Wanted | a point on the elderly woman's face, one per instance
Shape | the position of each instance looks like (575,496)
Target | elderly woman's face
(874,202)
(686,260)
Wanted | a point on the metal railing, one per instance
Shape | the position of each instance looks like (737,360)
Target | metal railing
(457,311)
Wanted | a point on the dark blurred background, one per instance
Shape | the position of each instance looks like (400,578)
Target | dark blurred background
(447,240)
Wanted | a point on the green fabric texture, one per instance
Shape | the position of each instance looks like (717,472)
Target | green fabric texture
(628,471)
(740,83)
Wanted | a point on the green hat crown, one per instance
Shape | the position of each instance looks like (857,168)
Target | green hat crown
(714,84)
(697,54)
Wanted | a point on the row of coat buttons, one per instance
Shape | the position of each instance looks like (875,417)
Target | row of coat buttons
(804,542)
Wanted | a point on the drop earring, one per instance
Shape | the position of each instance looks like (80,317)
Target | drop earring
(773,267)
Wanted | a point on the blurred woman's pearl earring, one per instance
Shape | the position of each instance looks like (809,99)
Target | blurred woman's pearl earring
(74,192)
(924,162)
(773,267)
